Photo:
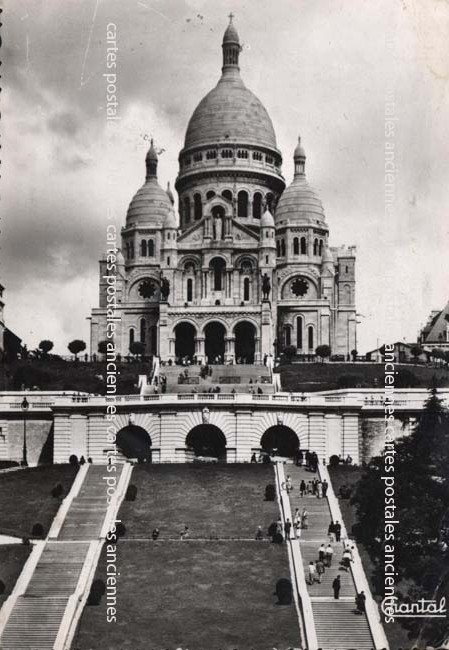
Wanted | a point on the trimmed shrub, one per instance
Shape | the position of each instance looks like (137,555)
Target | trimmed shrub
(334,461)
(284,591)
(277,538)
(37,530)
(97,590)
(270,492)
(272,528)
(57,491)
(120,529)
(73,460)
(345,492)
(131,493)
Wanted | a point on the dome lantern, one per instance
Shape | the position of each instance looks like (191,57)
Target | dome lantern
(151,161)
(299,158)
(231,48)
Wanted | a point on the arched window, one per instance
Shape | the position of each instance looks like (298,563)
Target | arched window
(150,248)
(131,249)
(197,207)
(218,267)
(288,335)
(310,336)
(210,195)
(189,290)
(242,204)
(278,248)
(320,249)
(246,289)
(142,330)
(143,248)
(227,194)
(315,246)
(131,336)
(303,246)
(299,333)
(127,251)
(257,205)
(282,247)
(296,246)
(186,210)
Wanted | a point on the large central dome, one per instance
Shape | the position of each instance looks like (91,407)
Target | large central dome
(230,111)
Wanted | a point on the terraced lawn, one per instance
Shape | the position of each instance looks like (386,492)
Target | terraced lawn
(12,559)
(25,497)
(193,594)
(218,501)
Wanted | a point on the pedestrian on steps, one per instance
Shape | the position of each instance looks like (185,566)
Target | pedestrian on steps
(302,488)
(336,586)
(304,519)
(312,573)
(320,569)
(337,531)
(287,528)
(328,555)
(322,552)
(325,488)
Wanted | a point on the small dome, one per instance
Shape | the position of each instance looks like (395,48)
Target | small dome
(328,258)
(149,205)
(300,203)
(299,150)
(231,34)
(120,258)
(267,220)
(170,220)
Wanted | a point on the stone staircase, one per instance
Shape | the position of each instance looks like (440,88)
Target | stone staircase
(37,614)
(245,375)
(338,626)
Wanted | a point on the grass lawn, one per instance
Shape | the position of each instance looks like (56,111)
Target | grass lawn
(212,500)
(25,497)
(350,476)
(326,376)
(12,559)
(200,595)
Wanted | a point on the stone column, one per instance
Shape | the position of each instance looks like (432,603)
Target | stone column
(230,348)
(199,348)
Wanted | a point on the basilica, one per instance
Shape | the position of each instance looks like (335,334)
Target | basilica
(243,268)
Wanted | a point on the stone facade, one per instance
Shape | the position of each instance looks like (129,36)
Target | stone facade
(245,268)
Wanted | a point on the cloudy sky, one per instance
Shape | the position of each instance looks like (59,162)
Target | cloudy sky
(325,69)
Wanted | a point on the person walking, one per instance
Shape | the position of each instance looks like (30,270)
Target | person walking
(279,528)
(304,519)
(320,569)
(312,573)
(331,531)
(328,555)
(320,490)
(325,488)
(322,552)
(347,558)
(302,488)
(360,602)
(289,484)
(336,586)
(297,529)
(287,528)
(337,531)
(296,516)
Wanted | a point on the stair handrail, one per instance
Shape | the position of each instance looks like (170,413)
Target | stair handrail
(358,573)
(305,604)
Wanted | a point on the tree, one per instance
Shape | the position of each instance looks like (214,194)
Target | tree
(354,354)
(45,346)
(137,348)
(416,351)
(76,346)
(103,347)
(323,351)
(289,353)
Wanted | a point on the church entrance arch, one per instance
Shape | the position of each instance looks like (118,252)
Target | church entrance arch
(281,440)
(215,333)
(185,341)
(245,342)
(207,441)
(134,442)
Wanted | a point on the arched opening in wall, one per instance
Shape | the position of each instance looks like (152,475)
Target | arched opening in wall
(303,246)
(153,339)
(187,210)
(245,342)
(185,334)
(150,248)
(143,327)
(143,248)
(132,334)
(299,333)
(310,337)
(197,207)
(218,266)
(207,441)
(278,248)
(257,205)
(214,334)
(287,335)
(242,204)
(282,247)
(346,295)
(227,194)
(320,247)
(295,246)
(134,442)
(315,246)
(246,286)
(210,195)
(189,296)
(280,441)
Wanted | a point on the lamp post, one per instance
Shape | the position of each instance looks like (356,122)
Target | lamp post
(25,406)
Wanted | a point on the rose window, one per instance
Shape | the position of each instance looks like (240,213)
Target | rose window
(147,289)
(299,287)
